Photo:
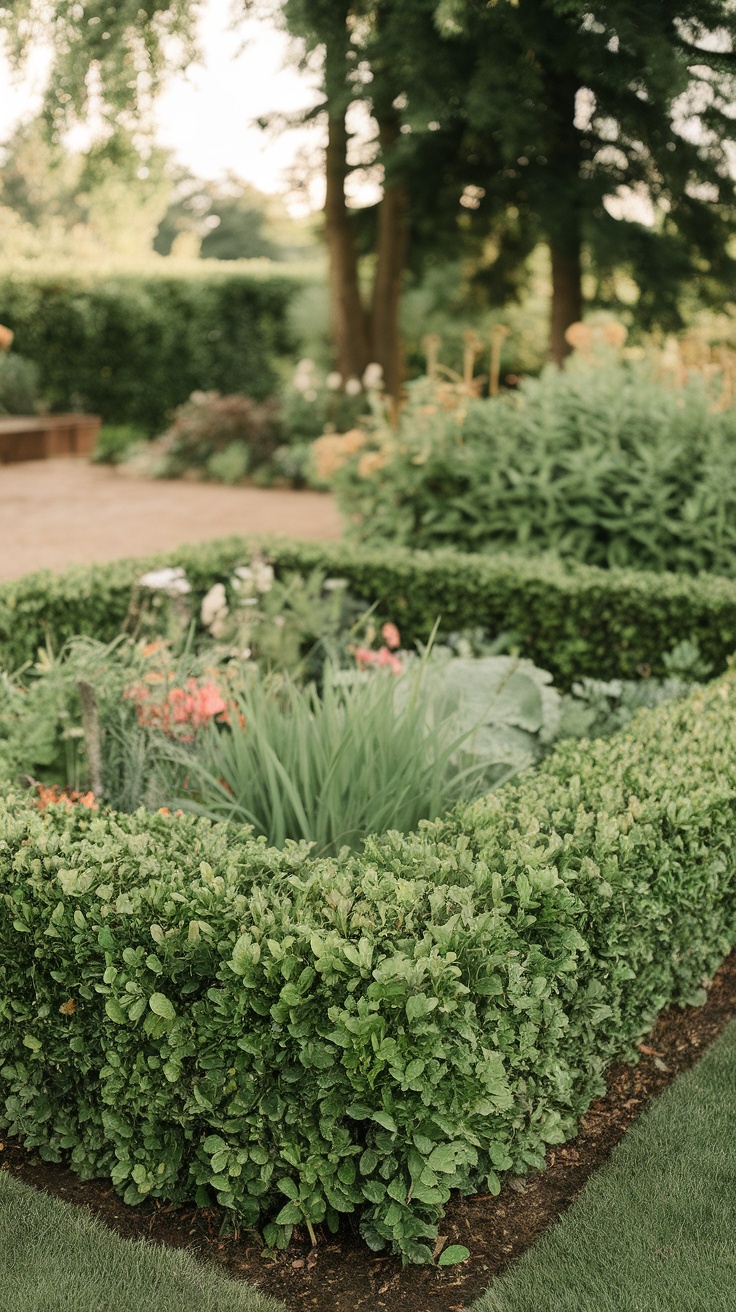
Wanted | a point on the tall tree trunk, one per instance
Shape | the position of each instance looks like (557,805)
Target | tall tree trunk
(349,323)
(564,210)
(391,249)
(567,295)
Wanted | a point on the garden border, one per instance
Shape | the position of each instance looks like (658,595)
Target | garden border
(570,619)
(371,1032)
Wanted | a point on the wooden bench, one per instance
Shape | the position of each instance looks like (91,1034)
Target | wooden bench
(40,436)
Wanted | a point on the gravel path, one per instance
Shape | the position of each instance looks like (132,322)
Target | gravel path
(55,513)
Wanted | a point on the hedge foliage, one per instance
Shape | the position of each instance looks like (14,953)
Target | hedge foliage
(189,1012)
(131,346)
(570,619)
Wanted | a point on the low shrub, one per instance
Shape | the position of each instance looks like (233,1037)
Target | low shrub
(19,391)
(132,345)
(606,465)
(116,442)
(220,437)
(569,619)
(192,1013)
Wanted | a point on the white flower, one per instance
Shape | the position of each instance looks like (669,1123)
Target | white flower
(262,575)
(333,585)
(353,387)
(171,580)
(303,380)
(373,378)
(214,610)
(333,380)
(256,577)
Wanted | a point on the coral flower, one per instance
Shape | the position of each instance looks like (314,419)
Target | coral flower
(383,658)
(391,636)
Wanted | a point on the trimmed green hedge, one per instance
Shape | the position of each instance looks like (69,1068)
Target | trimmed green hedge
(571,619)
(190,1013)
(130,346)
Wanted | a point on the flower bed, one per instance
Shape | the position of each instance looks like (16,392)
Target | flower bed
(193,1013)
(187,1011)
(572,620)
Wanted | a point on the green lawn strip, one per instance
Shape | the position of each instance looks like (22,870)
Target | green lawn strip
(655,1230)
(58,1258)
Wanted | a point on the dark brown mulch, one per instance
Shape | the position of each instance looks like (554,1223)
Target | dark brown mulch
(342,1275)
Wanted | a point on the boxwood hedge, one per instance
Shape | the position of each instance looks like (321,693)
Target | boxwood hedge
(193,1014)
(570,619)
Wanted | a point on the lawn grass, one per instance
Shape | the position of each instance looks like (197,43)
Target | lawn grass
(58,1258)
(655,1229)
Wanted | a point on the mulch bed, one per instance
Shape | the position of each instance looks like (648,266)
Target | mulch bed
(341,1274)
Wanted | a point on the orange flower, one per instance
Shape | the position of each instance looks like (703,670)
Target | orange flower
(391,636)
(55,796)
(331,451)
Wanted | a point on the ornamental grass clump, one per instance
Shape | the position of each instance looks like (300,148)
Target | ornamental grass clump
(375,749)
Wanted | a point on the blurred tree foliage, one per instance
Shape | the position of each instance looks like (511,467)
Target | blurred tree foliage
(554,121)
(108,201)
(229,220)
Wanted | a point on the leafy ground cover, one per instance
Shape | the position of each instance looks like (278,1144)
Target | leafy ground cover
(654,1230)
(56,1256)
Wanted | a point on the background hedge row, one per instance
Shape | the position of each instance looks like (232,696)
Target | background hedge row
(130,346)
(571,619)
(193,1014)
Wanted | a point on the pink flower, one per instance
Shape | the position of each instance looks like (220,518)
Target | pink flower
(391,635)
(387,658)
(365,657)
(207,700)
(194,705)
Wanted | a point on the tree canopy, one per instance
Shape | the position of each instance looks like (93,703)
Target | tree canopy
(602,129)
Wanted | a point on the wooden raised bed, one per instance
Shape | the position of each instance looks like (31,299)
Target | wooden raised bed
(40,436)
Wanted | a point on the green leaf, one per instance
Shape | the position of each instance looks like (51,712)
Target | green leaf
(115,1011)
(452,1255)
(443,1158)
(213,1144)
(289,1215)
(419,1005)
(287,1186)
(160,1006)
(386,1120)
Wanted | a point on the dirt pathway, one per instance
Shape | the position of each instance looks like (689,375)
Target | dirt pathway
(55,513)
